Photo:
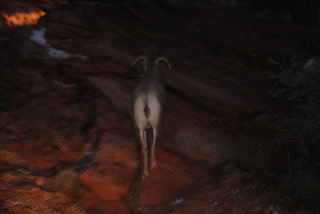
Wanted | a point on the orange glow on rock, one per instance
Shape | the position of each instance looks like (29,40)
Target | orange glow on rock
(18,19)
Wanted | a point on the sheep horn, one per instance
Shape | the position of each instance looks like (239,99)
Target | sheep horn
(145,61)
(162,58)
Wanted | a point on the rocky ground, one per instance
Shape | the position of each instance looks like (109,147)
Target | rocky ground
(67,141)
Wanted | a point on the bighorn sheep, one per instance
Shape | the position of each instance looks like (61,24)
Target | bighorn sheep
(146,107)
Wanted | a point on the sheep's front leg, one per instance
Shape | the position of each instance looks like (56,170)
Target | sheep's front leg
(153,148)
(144,152)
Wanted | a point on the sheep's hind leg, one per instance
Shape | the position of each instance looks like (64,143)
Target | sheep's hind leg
(153,148)
(144,152)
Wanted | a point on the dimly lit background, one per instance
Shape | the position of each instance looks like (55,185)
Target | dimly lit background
(240,129)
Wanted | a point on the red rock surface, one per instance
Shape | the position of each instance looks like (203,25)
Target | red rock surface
(68,143)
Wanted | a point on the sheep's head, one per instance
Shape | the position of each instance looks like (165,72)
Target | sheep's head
(156,62)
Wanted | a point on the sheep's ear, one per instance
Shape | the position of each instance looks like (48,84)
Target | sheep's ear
(145,61)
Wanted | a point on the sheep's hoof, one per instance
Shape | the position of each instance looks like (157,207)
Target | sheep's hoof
(153,164)
(144,174)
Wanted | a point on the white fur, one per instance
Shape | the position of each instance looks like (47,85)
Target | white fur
(143,123)
(153,103)
(148,93)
